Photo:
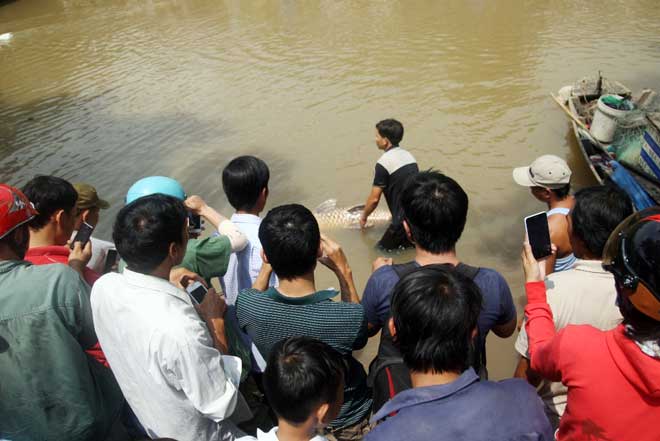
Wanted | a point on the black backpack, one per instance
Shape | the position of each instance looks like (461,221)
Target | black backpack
(388,375)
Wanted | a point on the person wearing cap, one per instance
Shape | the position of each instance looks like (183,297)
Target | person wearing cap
(208,257)
(613,376)
(584,294)
(89,207)
(549,180)
(51,389)
(50,230)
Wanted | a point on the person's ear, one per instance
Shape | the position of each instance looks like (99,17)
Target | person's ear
(322,414)
(475,331)
(58,216)
(263,256)
(176,252)
(406,227)
(391,327)
(84,215)
(264,194)
(319,252)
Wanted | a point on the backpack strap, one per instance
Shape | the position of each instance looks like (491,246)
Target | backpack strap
(467,270)
(403,269)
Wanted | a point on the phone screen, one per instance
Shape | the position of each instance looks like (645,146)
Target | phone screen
(83,234)
(110,260)
(197,291)
(194,223)
(538,234)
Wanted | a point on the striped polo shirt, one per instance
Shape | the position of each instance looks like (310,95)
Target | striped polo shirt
(269,317)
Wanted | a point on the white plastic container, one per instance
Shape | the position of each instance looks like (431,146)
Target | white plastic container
(605,121)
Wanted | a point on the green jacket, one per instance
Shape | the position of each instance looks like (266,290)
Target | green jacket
(50,389)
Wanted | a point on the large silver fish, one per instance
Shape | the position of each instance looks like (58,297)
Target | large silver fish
(329,216)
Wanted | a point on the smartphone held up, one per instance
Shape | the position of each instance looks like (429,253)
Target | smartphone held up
(197,292)
(538,235)
(83,235)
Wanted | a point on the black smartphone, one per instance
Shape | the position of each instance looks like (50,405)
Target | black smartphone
(83,234)
(194,223)
(538,234)
(110,260)
(197,292)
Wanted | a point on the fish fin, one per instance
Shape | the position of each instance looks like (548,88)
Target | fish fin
(356,209)
(326,206)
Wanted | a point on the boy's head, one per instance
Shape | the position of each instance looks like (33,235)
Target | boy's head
(291,240)
(55,201)
(389,133)
(434,319)
(435,209)
(151,230)
(245,182)
(89,205)
(597,212)
(304,379)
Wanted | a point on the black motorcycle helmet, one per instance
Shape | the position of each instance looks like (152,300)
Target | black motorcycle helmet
(632,254)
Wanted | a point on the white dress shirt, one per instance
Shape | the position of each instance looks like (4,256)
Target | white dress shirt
(242,271)
(162,355)
(244,266)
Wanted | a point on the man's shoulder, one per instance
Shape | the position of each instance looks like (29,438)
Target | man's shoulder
(384,275)
(489,279)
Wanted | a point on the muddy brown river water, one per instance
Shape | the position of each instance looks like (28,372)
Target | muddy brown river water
(110,91)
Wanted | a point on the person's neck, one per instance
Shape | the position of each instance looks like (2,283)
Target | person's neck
(162,271)
(567,202)
(391,147)
(298,286)
(289,432)
(44,237)
(253,212)
(6,253)
(424,257)
(431,378)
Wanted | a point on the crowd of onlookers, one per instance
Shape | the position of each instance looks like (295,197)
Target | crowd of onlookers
(113,341)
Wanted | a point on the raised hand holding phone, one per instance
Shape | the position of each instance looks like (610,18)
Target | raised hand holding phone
(538,235)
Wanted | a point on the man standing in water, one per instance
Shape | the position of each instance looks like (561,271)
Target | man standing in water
(392,170)
(549,179)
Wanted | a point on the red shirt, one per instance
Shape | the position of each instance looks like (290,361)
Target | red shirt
(613,387)
(60,254)
(57,254)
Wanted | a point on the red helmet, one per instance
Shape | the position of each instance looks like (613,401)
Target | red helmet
(15,209)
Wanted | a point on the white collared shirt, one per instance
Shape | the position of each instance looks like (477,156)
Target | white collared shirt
(162,355)
(242,271)
(244,266)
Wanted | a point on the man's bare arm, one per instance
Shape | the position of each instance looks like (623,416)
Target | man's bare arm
(371,204)
(506,329)
(526,373)
(335,259)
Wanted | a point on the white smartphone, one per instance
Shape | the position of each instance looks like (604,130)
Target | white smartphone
(538,234)
(197,292)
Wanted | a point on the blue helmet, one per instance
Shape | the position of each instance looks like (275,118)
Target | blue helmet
(153,185)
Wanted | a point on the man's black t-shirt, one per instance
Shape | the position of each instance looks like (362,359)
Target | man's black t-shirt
(392,170)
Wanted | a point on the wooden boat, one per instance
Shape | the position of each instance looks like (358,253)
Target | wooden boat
(581,102)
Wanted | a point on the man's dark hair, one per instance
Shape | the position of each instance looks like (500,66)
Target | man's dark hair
(145,228)
(435,208)
(49,194)
(290,238)
(597,212)
(435,311)
(243,179)
(391,129)
(562,192)
(302,373)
